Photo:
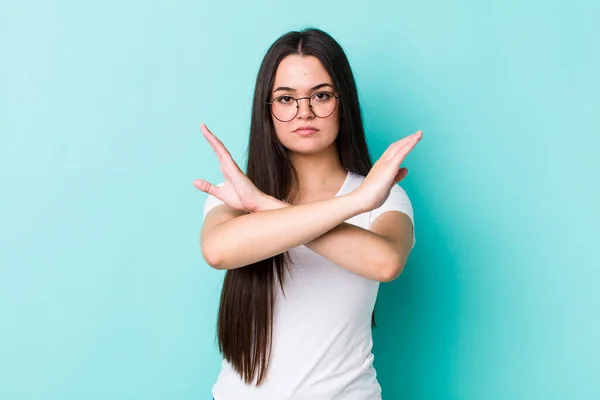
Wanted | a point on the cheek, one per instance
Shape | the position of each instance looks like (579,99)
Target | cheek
(332,125)
(282,130)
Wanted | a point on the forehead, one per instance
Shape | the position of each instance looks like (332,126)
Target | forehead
(300,72)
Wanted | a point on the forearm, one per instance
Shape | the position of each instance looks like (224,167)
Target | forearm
(357,250)
(351,247)
(253,237)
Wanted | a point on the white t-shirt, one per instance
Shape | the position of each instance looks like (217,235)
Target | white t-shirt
(322,327)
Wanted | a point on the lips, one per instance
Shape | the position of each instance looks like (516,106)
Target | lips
(305,127)
(306,130)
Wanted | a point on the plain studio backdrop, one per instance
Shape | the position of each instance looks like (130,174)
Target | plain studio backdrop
(103,290)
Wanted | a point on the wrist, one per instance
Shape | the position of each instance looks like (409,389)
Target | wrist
(356,202)
(353,200)
(267,202)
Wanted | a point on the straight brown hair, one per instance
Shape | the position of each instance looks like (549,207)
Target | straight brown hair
(245,320)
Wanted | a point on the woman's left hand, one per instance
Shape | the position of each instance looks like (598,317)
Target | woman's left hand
(238,191)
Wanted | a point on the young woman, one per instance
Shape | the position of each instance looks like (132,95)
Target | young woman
(306,235)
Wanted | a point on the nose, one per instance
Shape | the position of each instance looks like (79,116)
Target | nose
(304,111)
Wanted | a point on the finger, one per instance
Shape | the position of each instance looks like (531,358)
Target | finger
(219,148)
(407,140)
(220,144)
(210,138)
(401,175)
(417,135)
(206,187)
(396,153)
(215,140)
(402,148)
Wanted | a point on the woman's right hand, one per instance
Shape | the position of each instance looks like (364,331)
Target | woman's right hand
(238,191)
(386,172)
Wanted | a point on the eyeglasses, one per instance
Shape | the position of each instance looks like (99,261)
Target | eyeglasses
(285,108)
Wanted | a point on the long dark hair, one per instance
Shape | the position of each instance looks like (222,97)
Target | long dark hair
(244,326)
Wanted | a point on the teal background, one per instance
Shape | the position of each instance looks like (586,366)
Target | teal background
(103,291)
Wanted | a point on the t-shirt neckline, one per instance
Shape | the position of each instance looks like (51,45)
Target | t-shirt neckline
(344,184)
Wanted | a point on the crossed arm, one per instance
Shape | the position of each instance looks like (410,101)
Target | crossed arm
(233,239)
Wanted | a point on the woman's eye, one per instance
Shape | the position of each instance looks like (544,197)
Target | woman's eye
(322,96)
(285,99)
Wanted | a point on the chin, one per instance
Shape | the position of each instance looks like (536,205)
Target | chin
(308,146)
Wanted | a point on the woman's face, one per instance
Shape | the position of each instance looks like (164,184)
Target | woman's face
(304,76)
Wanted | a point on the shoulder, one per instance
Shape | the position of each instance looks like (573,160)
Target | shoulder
(397,192)
(399,201)
(211,202)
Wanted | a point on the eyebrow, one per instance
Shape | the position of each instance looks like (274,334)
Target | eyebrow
(289,89)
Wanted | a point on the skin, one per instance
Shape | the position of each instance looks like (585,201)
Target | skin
(248,227)
(315,157)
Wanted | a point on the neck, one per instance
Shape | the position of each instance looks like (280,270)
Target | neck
(319,172)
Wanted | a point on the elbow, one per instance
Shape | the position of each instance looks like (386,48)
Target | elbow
(211,255)
(391,269)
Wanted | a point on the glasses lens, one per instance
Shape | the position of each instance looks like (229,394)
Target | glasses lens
(323,104)
(284,108)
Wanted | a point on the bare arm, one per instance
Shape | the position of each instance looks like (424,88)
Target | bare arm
(232,238)
(230,241)
(378,254)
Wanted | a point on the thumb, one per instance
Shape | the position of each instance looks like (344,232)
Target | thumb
(401,175)
(205,186)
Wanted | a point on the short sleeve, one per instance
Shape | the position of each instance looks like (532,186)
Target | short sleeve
(397,201)
(211,202)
